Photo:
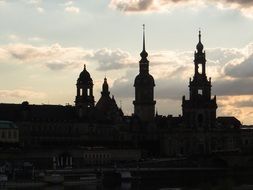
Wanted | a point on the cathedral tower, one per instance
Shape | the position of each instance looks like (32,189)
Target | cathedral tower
(84,98)
(200,110)
(144,104)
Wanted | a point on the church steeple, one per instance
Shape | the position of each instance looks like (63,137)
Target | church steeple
(144,104)
(200,109)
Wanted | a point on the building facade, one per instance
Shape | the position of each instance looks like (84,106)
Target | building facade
(69,132)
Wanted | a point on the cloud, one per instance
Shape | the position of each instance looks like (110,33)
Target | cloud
(243,69)
(233,87)
(150,5)
(132,5)
(35,39)
(40,10)
(21,94)
(68,3)
(13,37)
(245,103)
(36,4)
(72,9)
(123,87)
(54,57)
(238,106)
(221,56)
(135,6)
(108,59)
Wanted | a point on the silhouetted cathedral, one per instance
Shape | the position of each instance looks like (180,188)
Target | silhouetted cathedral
(200,110)
(55,136)
(144,104)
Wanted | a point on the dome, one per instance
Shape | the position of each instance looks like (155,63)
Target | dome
(84,76)
(144,80)
(200,47)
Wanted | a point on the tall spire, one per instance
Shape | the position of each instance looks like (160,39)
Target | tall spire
(143,37)
(144,54)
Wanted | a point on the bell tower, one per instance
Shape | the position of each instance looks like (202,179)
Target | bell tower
(200,110)
(84,97)
(144,104)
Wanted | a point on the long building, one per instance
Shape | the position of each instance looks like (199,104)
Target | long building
(89,133)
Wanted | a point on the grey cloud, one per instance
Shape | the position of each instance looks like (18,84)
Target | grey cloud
(123,87)
(243,3)
(241,70)
(110,59)
(56,66)
(133,6)
(221,56)
(153,5)
(233,87)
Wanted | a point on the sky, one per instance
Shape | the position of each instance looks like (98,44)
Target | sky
(44,45)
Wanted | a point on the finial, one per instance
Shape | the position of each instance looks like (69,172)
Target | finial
(143,36)
(199,34)
(84,67)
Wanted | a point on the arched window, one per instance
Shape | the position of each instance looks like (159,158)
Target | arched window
(200,68)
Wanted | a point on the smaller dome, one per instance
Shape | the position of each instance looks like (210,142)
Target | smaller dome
(84,76)
(144,54)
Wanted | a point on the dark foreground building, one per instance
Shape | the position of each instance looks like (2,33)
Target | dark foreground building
(54,136)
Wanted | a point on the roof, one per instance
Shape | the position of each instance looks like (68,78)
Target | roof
(229,121)
(7,125)
(18,112)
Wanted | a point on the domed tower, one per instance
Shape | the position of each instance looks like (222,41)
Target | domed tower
(84,98)
(144,104)
(200,110)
